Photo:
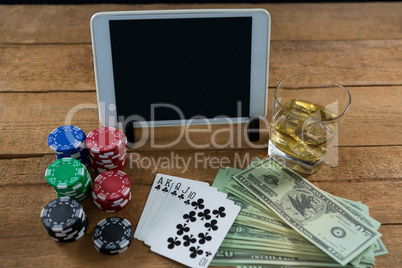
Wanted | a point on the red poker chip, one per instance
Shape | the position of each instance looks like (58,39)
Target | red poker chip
(110,166)
(110,206)
(112,185)
(110,155)
(105,139)
(117,166)
(114,203)
(101,161)
(102,165)
(109,209)
(100,170)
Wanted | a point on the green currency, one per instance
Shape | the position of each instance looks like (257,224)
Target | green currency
(308,210)
(229,258)
(262,236)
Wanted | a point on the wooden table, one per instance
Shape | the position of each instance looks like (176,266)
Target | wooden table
(46,76)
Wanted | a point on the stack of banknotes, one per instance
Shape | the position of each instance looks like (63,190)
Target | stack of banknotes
(286,221)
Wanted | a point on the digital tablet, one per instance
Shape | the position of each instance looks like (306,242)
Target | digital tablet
(173,67)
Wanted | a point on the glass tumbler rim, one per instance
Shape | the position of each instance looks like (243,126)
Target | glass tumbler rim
(320,76)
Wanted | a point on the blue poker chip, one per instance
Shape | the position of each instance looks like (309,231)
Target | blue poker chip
(70,152)
(76,155)
(82,156)
(66,139)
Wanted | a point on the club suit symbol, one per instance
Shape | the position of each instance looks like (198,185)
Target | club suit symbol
(211,225)
(195,252)
(204,237)
(204,214)
(173,242)
(182,229)
(188,240)
(190,216)
(198,204)
(219,212)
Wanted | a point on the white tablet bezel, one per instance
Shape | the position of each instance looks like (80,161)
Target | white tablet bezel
(103,66)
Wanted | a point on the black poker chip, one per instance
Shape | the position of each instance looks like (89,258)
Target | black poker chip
(112,252)
(71,231)
(64,219)
(112,235)
(74,237)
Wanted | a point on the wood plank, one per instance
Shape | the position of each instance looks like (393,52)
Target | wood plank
(297,21)
(22,221)
(351,63)
(81,252)
(46,68)
(357,177)
(365,164)
(69,67)
(392,235)
(384,203)
(363,125)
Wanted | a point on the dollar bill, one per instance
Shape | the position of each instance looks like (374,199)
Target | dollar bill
(230,258)
(256,249)
(259,266)
(311,212)
(379,248)
(249,214)
(249,234)
(361,211)
(236,189)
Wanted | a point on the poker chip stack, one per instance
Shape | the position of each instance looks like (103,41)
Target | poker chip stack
(69,178)
(112,191)
(69,141)
(112,235)
(107,149)
(64,220)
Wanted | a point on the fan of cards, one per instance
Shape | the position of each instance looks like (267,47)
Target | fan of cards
(185,220)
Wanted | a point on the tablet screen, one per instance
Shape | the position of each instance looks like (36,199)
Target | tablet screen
(200,66)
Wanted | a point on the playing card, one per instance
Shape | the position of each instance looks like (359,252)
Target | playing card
(150,200)
(180,189)
(197,229)
(169,207)
(161,187)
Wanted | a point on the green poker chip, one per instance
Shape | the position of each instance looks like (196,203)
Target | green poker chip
(79,194)
(69,178)
(78,197)
(79,187)
(65,173)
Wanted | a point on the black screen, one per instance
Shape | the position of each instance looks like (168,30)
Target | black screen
(200,65)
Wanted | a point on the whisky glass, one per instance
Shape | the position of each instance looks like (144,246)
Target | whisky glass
(306,115)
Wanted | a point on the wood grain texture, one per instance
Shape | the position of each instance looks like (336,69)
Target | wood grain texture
(47,80)
(22,220)
(31,252)
(25,132)
(341,21)
(46,68)
(365,164)
(362,175)
(43,68)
